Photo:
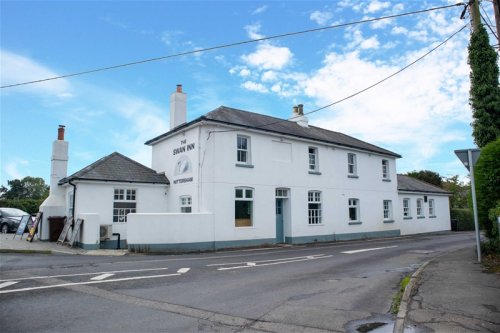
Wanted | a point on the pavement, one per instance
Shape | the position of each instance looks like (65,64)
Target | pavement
(449,293)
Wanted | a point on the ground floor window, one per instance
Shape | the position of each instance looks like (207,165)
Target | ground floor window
(420,208)
(406,208)
(243,207)
(123,204)
(186,204)
(432,208)
(387,210)
(353,210)
(314,207)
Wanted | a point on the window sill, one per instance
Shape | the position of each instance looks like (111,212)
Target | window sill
(432,217)
(386,180)
(407,218)
(314,173)
(420,217)
(352,176)
(250,227)
(388,221)
(355,223)
(241,165)
(316,225)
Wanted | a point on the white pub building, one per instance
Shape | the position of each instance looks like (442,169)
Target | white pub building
(233,178)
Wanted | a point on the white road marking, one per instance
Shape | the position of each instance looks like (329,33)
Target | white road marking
(80,274)
(6,284)
(283,261)
(87,282)
(251,263)
(265,261)
(366,250)
(101,277)
(183,270)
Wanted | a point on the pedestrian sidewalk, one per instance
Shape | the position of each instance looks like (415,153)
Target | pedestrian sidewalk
(455,294)
(11,244)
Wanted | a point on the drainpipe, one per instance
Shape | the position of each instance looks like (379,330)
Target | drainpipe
(74,198)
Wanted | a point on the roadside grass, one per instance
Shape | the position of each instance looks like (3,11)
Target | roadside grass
(396,300)
(492,262)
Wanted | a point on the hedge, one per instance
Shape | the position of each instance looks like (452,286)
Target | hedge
(465,218)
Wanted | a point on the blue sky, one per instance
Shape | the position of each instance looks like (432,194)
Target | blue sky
(422,113)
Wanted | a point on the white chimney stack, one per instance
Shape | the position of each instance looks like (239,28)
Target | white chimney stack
(55,204)
(298,116)
(178,101)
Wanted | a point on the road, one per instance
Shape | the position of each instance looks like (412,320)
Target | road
(323,288)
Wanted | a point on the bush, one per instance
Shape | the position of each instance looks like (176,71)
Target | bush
(465,218)
(487,175)
(490,246)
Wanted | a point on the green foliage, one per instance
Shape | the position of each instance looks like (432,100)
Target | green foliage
(460,192)
(494,214)
(487,176)
(464,217)
(28,205)
(26,188)
(427,176)
(484,94)
(396,300)
(490,246)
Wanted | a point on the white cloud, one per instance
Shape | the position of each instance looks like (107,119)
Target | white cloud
(254,86)
(253,31)
(269,76)
(260,10)
(244,72)
(320,18)
(370,43)
(358,41)
(14,168)
(16,68)
(376,6)
(170,37)
(399,30)
(268,56)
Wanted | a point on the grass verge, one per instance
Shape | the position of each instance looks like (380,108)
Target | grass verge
(396,300)
(492,262)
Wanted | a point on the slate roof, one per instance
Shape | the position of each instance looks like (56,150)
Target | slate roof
(118,168)
(246,119)
(410,184)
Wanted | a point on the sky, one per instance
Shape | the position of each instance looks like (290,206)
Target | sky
(421,113)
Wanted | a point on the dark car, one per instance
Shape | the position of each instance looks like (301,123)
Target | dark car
(10,218)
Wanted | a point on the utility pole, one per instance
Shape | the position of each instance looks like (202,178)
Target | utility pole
(496,9)
(474,14)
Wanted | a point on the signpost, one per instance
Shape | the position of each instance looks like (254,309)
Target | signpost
(469,158)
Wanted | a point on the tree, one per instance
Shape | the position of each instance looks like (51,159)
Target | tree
(484,95)
(26,188)
(428,176)
(460,192)
(487,176)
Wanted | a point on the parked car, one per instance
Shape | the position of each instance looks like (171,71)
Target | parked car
(10,218)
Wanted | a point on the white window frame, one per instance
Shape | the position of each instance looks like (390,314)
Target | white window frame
(385,169)
(313,159)
(387,206)
(432,208)
(352,167)
(353,204)
(247,195)
(314,208)
(243,155)
(420,208)
(407,208)
(124,197)
(186,203)
(282,193)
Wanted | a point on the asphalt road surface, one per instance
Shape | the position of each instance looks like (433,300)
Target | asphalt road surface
(323,288)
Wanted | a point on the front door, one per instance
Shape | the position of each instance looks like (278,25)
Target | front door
(280,235)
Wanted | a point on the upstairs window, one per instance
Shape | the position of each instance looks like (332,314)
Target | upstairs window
(313,159)
(243,149)
(243,207)
(385,169)
(186,203)
(314,207)
(351,165)
(353,210)
(123,204)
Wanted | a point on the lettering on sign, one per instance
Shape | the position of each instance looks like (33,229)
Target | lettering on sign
(183,180)
(183,149)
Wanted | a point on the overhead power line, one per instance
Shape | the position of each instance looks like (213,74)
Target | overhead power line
(362,90)
(213,48)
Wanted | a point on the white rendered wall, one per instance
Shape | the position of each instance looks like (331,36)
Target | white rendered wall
(415,225)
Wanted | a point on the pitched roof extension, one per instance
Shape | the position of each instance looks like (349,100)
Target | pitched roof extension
(118,168)
(246,119)
(410,184)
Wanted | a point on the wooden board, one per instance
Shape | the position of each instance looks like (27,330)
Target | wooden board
(34,227)
(22,225)
(76,228)
(64,232)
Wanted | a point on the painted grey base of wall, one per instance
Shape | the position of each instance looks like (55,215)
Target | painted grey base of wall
(213,246)
(104,245)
